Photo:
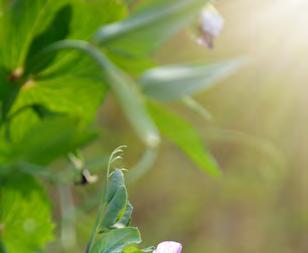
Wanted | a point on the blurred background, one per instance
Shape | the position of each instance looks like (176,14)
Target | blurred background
(258,135)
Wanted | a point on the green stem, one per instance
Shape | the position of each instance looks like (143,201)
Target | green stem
(68,230)
(124,88)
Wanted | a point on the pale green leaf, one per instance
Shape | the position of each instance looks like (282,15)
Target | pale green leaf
(146,29)
(169,83)
(180,132)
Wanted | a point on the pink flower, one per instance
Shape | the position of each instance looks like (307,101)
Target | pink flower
(168,247)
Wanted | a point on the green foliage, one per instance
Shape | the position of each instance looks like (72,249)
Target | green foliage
(184,135)
(25,215)
(50,139)
(150,26)
(115,241)
(111,231)
(58,61)
(175,82)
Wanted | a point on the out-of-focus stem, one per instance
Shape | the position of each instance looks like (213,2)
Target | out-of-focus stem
(68,230)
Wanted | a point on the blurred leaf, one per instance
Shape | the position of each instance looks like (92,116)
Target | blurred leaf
(175,82)
(58,29)
(78,96)
(196,107)
(130,98)
(123,86)
(184,136)
(50,139)
(8,92)
(115,241)
(25,214)
(87,17)
(146,29)
(132,249)
(22,20)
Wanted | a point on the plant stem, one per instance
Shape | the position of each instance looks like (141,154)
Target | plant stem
(68,231)
(125,89)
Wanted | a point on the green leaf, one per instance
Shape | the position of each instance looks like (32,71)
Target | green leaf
(115,208)
(58,29)
(126,218)
(132,103)
(78,96)
(115,241)
(115,181)
(124,88)
(87,17)
(132,249)
(50,139)
(184,136)
(146,29)
(22,20)
(25,214)
(174,82)
(115,201)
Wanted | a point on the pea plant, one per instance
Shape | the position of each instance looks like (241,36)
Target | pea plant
(58,61)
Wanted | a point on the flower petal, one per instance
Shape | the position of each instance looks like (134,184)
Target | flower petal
(168,247)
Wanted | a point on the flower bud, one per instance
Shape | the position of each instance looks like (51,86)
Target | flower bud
(168,247)
(210,26)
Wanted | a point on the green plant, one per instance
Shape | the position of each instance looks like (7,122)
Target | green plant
(58,61)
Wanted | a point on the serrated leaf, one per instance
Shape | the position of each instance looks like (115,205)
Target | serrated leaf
(177,81)
(24,228)
(115,241)
(148,28)
(180,132)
